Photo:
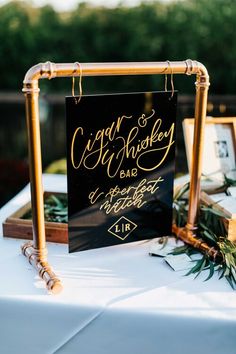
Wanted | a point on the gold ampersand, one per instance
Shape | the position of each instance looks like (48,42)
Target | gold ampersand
(99,151)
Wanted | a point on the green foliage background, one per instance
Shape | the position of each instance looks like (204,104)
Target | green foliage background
(157,31)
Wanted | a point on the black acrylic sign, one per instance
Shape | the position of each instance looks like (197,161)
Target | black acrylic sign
(120,160)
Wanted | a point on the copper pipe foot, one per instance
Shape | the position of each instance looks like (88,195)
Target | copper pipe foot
(38,259)
(187,235)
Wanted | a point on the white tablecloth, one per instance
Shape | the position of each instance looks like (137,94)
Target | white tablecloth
(115,300)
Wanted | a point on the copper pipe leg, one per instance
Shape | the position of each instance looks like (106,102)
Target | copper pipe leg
(39,260)
(188,236)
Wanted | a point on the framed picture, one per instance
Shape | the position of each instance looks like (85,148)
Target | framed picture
(219,146)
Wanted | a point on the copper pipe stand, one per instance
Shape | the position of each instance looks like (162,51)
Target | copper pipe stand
(36,252)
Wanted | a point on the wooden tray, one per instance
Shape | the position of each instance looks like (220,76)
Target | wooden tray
(16,227)
(228,221)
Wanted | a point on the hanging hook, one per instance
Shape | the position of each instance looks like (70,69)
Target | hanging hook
(77,100)
(171,79)
(165,82)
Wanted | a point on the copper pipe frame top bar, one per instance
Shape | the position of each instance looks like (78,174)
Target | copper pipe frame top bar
(36,253)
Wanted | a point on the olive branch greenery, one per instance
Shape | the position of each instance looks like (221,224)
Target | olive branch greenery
(211,230)
(55,209)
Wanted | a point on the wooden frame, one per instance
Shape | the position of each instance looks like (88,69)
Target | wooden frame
(15,226)
(223,158)
(228,219)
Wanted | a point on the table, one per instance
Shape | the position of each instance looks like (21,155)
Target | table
(115,300)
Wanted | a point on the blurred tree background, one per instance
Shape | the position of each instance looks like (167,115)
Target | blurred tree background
(155,31)
(202,30)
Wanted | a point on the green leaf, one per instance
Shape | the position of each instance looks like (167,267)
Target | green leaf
(211,272)
(196,267)
(204,262)
(233,271)
(230,282)
(221,271)
(179,250)
(213,211)
(226,272)
(181,191)
(209,236)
